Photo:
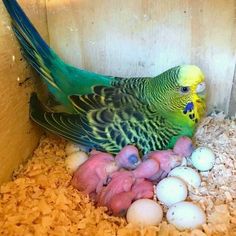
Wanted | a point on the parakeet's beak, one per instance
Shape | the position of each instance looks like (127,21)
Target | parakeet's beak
(201,90)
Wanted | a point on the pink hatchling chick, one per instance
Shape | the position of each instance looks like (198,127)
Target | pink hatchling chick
(93,173)
(163,157)
(142,188)
(121,181)
(120,202)
(167,160)
(128,157)
(183,146)
(147,169)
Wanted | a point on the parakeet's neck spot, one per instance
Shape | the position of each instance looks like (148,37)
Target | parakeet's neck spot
(192,116)
(190,112)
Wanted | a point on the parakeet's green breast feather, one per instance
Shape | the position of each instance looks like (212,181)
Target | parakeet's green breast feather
(108,113)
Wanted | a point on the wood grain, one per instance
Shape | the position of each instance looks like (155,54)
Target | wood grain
(18,135)
(146,37)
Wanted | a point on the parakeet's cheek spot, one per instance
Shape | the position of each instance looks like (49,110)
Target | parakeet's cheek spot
(189,107)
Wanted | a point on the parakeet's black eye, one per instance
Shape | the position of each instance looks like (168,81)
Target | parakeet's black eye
(184,89)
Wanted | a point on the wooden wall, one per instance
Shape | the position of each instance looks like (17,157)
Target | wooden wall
(18,137)
(146,37)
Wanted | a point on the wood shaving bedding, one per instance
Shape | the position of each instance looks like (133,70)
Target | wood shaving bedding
(40,200)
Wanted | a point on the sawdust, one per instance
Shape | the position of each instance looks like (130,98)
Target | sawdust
(41,201)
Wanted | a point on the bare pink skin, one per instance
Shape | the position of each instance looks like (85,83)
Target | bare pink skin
(120,203)
(147,169)
(121,181)
(142,189)
(128,157)
(93,173)
(183,146)
(163,157)
(167,160)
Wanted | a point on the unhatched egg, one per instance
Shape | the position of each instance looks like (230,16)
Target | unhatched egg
(186,215)
(203,158)
(171,190)
(187,174)
(71,148)
(74,160)
(144,212)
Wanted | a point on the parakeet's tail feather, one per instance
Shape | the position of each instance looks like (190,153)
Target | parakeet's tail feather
(61,78)
(35,48)
(60,123)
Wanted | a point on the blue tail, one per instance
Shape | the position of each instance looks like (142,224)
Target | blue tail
(32,43)
(62,79)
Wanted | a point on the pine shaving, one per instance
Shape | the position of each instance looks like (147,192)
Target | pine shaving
(40,200)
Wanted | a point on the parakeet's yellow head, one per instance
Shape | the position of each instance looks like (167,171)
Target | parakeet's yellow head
(181,93)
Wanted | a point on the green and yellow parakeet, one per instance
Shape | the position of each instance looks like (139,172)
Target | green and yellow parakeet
(107,113)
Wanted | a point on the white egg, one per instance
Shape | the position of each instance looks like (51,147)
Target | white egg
(171,190)
(186,215)
(71,148)
(74,160)
(203,158)
(144,212)
(187,174)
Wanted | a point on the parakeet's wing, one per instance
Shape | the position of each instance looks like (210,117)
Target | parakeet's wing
(108,120)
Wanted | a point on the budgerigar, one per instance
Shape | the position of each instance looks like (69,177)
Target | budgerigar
(107,113)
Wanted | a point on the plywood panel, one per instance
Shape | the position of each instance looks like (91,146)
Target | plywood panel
(18,136)
(146,37)
(214,47)
(125,38)
(232,104)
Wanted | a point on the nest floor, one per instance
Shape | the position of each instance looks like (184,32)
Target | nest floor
(40,200)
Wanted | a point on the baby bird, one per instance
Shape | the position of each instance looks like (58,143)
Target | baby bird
(94,173)
(121,181)
(142,188)
(169,159)
(183,146)
(147,169)
(128,158)
(120,202)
